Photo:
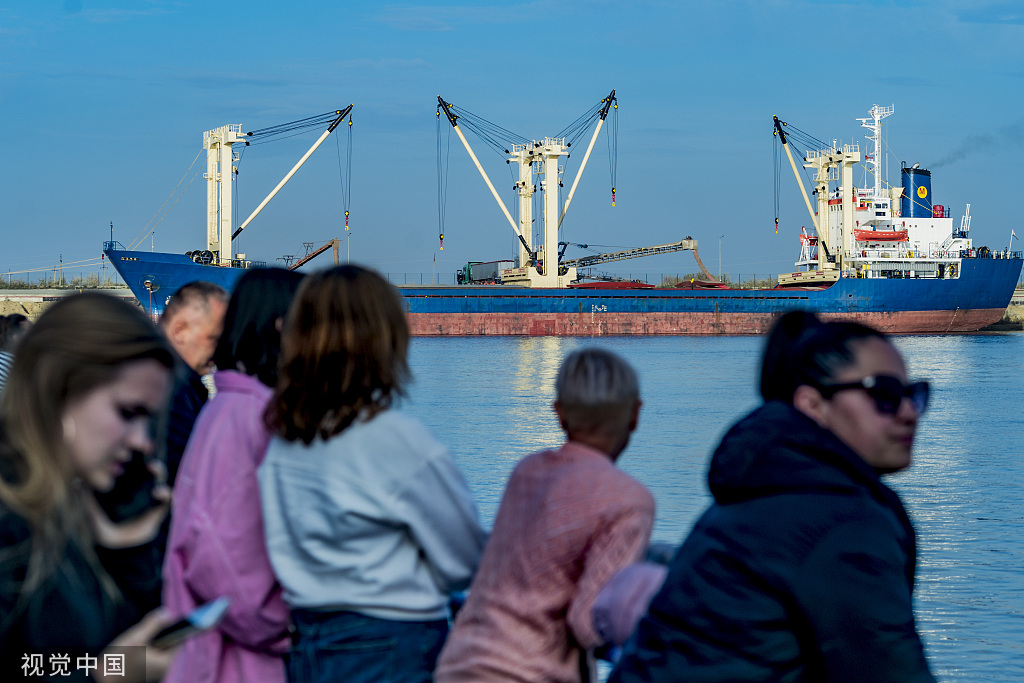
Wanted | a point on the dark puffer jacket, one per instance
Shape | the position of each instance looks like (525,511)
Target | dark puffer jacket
(801,570)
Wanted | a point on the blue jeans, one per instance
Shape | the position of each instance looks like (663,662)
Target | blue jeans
(346,647)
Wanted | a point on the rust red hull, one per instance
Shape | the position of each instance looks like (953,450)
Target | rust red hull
(689,323)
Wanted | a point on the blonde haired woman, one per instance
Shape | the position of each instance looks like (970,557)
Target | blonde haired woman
(91,376)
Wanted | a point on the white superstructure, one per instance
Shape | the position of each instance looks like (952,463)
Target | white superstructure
(863,232)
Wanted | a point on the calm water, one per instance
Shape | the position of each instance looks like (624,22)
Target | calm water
(490,399)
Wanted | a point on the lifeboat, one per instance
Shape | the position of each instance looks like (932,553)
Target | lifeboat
(880,235)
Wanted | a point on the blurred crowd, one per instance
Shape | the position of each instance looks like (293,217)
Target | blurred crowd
(249,450)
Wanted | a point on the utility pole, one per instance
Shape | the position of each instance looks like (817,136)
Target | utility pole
(720,257)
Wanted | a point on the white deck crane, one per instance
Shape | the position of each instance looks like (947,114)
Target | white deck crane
(826,161)
(538,263)
(220,172)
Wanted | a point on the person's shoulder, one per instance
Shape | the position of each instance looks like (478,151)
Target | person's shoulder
(398,427)
(616,488)
(603,476)
(235,382)
(189,392)
(540,463)
(395,418)
(631,489)
(237,395)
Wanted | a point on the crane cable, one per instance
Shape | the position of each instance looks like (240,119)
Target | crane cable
(613,149)
(345,176)
(273,133)
(776,180)
(497,138)
(796,139)
(443,157)
(256,137)
(494,136)
(147,230)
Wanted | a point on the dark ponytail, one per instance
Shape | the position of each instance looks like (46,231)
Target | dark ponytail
(802,349)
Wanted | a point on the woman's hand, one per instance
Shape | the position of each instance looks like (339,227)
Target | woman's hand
(131,532)
(158,660)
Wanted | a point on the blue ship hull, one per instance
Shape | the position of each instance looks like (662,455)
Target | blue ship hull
(976,298)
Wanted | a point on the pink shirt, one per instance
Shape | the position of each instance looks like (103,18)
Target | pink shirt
(568,521)
(216,545)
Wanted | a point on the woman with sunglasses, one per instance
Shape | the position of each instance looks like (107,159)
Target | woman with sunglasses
(802,569)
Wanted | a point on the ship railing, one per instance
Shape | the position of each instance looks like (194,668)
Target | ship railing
(953,237)
(944,254)
(833,151)
(894,255)
(113,246)
(902,270)
(1004,254)
(988,253)
(245,263)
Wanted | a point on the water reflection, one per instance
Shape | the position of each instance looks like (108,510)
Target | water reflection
(490,399)
(533,367)
(964,493)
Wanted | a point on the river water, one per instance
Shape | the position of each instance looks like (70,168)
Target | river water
(490,399)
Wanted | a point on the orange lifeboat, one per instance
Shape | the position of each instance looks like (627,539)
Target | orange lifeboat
(880,235)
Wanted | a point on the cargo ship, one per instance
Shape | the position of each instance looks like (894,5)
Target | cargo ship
(886,256)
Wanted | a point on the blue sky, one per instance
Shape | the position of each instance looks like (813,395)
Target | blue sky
(103,104)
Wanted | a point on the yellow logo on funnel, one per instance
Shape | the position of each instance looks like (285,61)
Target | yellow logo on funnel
(922,191)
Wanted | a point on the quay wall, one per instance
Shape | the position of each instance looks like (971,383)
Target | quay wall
(31,302)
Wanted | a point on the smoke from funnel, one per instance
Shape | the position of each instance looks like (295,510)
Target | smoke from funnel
(1007,136)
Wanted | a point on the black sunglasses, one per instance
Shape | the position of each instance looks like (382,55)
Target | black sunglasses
(887,392)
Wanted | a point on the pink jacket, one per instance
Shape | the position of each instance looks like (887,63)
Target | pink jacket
(568,521)
(216,545)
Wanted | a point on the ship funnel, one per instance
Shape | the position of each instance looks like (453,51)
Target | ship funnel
(916,201)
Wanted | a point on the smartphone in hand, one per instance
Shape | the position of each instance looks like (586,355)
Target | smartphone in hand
(202,618)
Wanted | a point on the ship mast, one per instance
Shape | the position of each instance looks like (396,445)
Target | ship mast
(875,160)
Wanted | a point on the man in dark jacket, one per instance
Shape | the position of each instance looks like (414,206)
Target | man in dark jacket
(193,321)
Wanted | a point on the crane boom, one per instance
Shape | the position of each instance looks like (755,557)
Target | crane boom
(316,252)
(330,129)
(446,108)
(682,245)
